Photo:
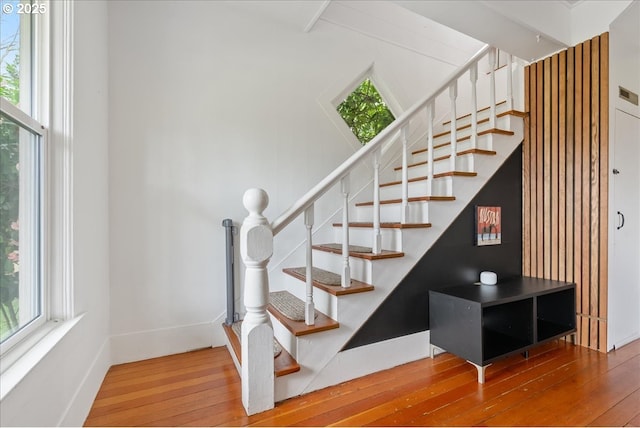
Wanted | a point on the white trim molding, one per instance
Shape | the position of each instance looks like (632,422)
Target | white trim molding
(142,345)
(317,16)
(339,90)
(56,82)
(60,163)
(26,355)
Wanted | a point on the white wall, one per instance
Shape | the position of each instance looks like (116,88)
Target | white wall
(208,99)
(61,388)
(625,57)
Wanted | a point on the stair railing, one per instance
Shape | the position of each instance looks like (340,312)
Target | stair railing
(257,235)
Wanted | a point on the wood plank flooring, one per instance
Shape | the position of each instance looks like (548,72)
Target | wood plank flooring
(558,385)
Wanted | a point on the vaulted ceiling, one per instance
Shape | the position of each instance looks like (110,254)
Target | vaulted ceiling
(529,29)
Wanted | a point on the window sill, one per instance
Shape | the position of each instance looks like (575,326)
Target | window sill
(19,361)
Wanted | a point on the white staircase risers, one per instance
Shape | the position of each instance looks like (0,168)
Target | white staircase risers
(421,192)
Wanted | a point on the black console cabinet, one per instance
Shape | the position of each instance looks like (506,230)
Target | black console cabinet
(482,323)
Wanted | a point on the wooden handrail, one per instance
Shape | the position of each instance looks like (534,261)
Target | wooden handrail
(376,143)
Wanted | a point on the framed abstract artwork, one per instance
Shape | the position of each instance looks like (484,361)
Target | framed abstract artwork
(488,226)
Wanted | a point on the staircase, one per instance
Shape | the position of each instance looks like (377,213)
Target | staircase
(331,287)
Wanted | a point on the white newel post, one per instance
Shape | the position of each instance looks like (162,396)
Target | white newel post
(256,248)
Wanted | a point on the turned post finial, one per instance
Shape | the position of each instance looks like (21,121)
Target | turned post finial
(255,201)
(256,236)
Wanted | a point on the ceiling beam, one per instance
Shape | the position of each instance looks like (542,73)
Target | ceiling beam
(317,16)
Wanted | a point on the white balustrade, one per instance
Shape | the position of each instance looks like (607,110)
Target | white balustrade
(377,234)
(256,248)
(453,94)
(430,118)
(346,268)
(405,175)
(256,243)
(509,82)
(309,309)
(492,88)
(473,74)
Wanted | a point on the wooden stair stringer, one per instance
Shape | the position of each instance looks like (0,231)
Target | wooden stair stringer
(317,353)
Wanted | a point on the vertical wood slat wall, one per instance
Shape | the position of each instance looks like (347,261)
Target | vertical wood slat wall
(565,178)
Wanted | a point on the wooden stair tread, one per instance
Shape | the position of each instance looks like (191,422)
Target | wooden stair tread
(467,137)
(460,128)
(411,165)
(479,110)
(456,174)
(468,152)
(496,131)
(516,113)
(283,364)
(438,175)
(414,199)
(299,328)
(478,152)
(410,180)
(336,290)
(387,225)
(385,254)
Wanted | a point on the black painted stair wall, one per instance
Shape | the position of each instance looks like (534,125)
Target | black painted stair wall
(454,259)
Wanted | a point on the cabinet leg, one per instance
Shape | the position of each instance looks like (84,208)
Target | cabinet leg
(525,354)
(481,370)
(432,351)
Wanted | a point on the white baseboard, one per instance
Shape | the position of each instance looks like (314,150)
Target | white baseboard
(134,347)
(622,342)
(364,360)
(147,344)
(80,405)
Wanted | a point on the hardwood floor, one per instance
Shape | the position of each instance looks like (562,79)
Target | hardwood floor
(558,385)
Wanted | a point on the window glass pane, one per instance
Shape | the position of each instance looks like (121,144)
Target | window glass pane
(365,112)
(20,227)
(15,55)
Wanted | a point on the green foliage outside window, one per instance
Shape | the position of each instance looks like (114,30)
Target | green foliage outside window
(9,205)
(365,112)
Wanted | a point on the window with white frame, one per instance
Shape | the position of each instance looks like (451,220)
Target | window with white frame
(23,307)
(365,112)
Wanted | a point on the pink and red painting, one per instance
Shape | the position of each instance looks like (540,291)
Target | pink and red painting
(488,230)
